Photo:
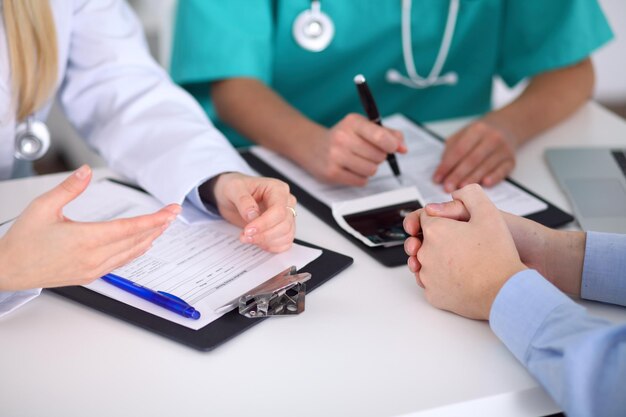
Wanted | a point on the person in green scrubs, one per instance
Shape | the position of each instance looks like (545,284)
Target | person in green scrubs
(242,62)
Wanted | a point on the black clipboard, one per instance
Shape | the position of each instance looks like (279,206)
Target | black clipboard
(323,268)
(326,266)
(390,256)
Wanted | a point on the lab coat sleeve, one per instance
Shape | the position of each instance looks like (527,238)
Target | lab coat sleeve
(10,301)
(539,36)
(127,108)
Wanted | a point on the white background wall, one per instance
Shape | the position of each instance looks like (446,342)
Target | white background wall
(611,60)
(157,16)
(610,64)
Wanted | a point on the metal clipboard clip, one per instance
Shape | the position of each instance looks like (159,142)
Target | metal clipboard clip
(281,295)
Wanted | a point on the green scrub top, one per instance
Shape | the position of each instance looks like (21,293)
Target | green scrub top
(513,39)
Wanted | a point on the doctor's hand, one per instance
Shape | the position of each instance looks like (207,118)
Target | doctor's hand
(351,151)
(263,207)
(557,255)
(480,153)
(43,248)
(462,265)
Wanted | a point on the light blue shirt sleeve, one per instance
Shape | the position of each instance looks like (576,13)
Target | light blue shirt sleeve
(579,360)
(604,268)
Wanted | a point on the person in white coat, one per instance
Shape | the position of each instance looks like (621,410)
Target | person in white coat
(92,56)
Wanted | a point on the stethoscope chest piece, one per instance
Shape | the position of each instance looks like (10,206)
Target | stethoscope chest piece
(313,30)
(32,140)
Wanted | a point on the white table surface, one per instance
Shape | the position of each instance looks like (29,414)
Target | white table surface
(367,345)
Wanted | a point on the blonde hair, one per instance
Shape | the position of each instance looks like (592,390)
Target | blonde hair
(31,37)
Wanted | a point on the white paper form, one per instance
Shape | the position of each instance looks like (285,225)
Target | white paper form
(202,263)
(417,167)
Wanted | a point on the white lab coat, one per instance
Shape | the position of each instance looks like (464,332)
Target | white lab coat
(125,106)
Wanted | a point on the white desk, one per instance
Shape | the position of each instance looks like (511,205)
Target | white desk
(368,344)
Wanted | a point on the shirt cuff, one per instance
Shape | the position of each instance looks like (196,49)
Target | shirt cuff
(604,268)
(520,309)
(10,301)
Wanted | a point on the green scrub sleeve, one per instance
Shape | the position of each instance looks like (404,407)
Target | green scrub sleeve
(544,35)
(217,39)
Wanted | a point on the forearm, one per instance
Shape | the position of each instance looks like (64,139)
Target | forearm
(557,255)
(565,254)
(12,294)
(7,260)
(548,99)
(260,114)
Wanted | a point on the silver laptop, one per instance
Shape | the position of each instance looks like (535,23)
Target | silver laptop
(594,180)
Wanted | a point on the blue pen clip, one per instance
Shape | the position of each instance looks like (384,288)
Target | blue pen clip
(173,297)
(188,310)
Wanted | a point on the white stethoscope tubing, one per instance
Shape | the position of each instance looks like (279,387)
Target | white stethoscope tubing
(318,40)
(414,80)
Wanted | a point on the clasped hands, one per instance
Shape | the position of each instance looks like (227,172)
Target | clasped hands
(469,249)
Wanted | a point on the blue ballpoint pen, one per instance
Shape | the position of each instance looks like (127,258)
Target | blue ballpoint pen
(160,298)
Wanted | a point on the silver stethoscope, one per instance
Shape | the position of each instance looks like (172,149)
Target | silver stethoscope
(32,139)
(313,30)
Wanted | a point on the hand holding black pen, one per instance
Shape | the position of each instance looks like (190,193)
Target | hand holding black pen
(369,105)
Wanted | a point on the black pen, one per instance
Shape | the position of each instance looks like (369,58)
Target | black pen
(369,105)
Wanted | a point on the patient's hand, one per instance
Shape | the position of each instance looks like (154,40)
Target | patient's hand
(557,255)
(462,265)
